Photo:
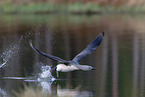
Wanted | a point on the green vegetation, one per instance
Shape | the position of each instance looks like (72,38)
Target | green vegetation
(77,8)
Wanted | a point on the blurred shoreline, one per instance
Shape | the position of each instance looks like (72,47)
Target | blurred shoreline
(71,7)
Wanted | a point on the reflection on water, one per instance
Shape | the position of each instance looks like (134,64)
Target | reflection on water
(119,59)
(73,93)
(3,93)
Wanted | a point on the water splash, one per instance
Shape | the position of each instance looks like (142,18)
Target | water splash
(10,52)
(3,64)
(45,74)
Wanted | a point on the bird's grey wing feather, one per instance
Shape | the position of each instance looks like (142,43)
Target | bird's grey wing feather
(90,48)
(47,55)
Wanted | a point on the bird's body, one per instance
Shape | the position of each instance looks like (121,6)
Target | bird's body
(72,67)
(67,66)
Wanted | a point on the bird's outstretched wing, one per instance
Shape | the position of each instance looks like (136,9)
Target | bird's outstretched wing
(47,55)
(90,48)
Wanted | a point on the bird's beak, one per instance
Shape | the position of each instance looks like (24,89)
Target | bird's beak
(93,68)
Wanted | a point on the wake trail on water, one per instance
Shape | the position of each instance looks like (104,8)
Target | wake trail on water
(10,54)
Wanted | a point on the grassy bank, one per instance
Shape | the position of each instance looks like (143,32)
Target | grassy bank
(77,8)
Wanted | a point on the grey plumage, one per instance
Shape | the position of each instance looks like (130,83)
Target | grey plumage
(89,49)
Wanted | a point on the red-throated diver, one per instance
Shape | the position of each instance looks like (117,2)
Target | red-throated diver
(66,66)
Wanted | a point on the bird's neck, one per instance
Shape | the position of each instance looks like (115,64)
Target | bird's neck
(82,67)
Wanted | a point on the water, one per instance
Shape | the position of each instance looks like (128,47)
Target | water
(119,60)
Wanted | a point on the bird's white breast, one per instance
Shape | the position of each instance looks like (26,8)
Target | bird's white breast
(65,68)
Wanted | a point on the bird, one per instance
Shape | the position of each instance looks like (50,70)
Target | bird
(67,66)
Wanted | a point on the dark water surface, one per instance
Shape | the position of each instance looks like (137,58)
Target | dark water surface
(119,60)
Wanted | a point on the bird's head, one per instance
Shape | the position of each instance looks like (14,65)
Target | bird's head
(91,68)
